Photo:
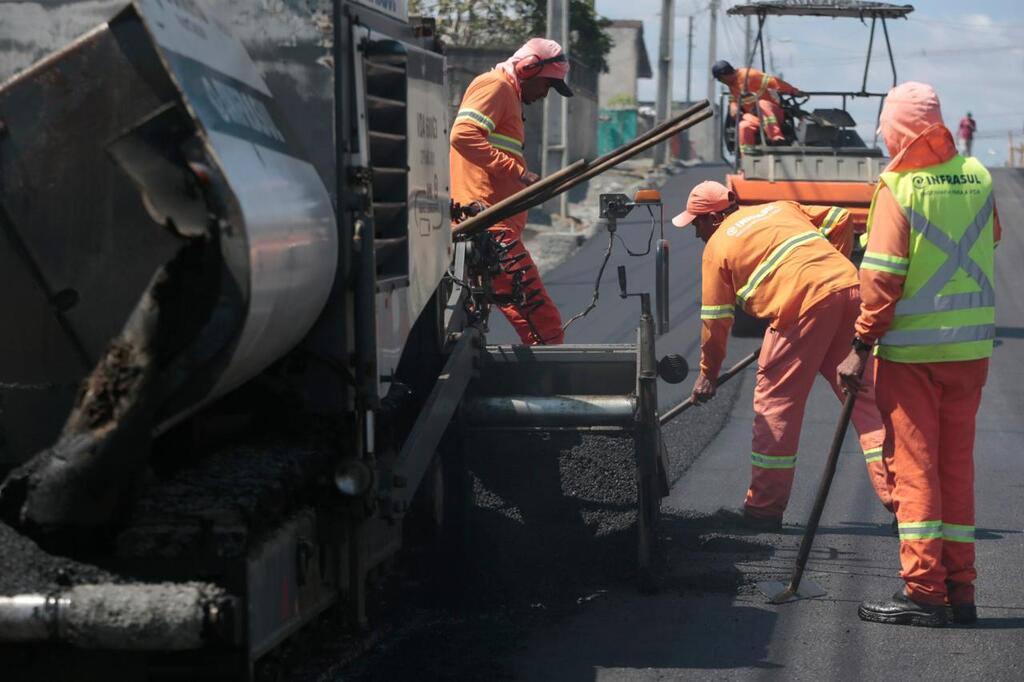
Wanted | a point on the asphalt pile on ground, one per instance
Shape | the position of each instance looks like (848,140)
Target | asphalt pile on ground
(551,533)
(26,568)
(225,503)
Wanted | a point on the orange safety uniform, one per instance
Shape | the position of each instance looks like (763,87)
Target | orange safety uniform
(928,408)
(756,91)
(487,163)
(776,261)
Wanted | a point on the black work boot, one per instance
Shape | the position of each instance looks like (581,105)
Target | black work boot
(964,614)
(902,610)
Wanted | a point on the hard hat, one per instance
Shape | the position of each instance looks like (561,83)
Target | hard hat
(722,68)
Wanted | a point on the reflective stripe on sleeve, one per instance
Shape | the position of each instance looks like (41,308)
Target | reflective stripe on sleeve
(873,454)
(506,143)
(920,530)
(772,461)
(477,117)
(771,262)
(831,218)
(883,262)
(717,312)
(953,532)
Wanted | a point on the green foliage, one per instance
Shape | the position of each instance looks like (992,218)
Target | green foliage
(622,100)
(477,23)
(510,23)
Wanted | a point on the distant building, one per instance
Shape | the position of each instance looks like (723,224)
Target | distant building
(627,63)
(697,143)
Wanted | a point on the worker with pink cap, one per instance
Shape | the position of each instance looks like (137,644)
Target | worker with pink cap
(488,164)
(784,262)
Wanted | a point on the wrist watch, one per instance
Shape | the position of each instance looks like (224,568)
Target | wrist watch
(860,344)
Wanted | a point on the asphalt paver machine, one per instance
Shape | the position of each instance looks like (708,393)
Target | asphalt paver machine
(822,159)
(587,388)
(240,335)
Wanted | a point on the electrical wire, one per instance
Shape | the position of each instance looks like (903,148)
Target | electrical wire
(597,284)
(650,238)
(612,235)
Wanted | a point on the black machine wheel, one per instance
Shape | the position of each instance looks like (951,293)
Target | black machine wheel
(441,505)
(647,516)
(652,486)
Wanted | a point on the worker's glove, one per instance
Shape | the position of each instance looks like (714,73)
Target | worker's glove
(528,178)
(703,389)
(850,371)
(460,212)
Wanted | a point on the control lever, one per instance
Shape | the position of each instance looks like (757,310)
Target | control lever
(672,368)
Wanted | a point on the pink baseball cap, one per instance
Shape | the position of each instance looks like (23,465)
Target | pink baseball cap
(707,197)
(554,65)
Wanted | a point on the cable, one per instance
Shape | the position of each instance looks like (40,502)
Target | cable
(597,283)
(650,237)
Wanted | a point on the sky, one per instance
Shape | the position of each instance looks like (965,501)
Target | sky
(971,52)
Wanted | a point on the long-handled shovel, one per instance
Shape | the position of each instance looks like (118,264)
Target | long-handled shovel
(778,592)
(722,378)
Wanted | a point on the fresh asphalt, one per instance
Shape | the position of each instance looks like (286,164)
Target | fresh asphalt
(709,621)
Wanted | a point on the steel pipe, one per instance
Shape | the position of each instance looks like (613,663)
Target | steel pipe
(488,215)
(29,617)
(581,171)
(524,411)
(140,617)
(628,152)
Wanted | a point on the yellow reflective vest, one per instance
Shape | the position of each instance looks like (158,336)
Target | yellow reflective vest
(947,311)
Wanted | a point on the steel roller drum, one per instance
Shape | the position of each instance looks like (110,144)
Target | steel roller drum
(150,194)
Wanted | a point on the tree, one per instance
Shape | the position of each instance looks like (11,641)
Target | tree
(510,23)
(588,41)
(477,23)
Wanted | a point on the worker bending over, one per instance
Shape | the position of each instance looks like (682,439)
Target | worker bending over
(754,93)
(487,165)
(928,313)
(776,261)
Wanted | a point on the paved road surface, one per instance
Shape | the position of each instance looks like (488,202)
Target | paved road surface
(708,621)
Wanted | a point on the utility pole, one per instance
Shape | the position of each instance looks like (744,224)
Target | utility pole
(664,100)
(689,56)
(712,49)
(555,130)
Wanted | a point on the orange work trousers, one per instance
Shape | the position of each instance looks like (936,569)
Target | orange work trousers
(771,117)
(790,359)
(533,314)
(929,411)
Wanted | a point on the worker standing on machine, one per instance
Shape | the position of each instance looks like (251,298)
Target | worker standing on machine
(928,313)
(488,165)
(776,261)
(754,93)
